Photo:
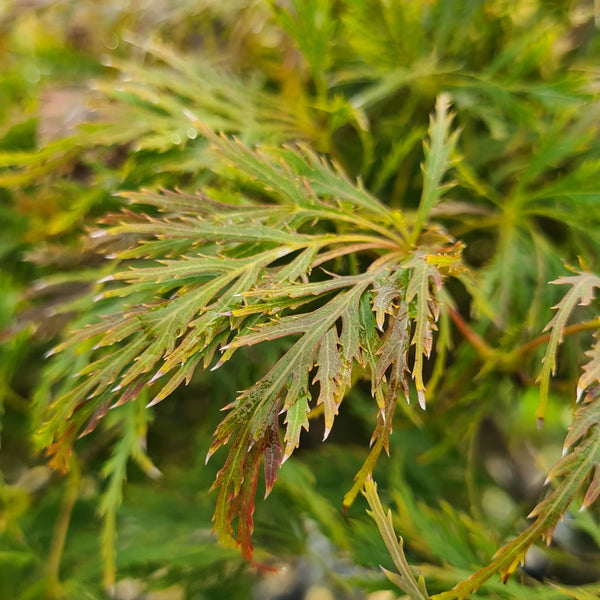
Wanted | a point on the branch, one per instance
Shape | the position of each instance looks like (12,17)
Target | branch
(525,349)
(483,348)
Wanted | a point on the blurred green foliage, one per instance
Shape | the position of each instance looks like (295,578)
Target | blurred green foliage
(104,97)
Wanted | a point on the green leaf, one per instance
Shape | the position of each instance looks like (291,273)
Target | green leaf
(573,470)
(132,422)
(591,369)
(437,161)
(404,578)
(427,312)
(295,419)
(580,294)
(329,375)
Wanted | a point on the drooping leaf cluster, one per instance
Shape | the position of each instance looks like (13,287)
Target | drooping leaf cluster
(217,277)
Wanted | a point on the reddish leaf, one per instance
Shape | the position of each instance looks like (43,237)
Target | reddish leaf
(242,506)
(272,457)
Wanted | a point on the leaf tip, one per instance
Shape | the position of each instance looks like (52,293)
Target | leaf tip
(154,401)
(210,452)
(156,376)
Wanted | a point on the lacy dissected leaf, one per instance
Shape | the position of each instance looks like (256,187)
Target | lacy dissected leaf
(296,419)
(330,376)
(404,578)
(438,150)
(131,444)
(591,369)
(571,474)
(426,308)
(580,294)
(199,277)
(393,351)
(288,380)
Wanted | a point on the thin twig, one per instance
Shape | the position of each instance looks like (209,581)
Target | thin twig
(515,356)
(525,349)
(485,350)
